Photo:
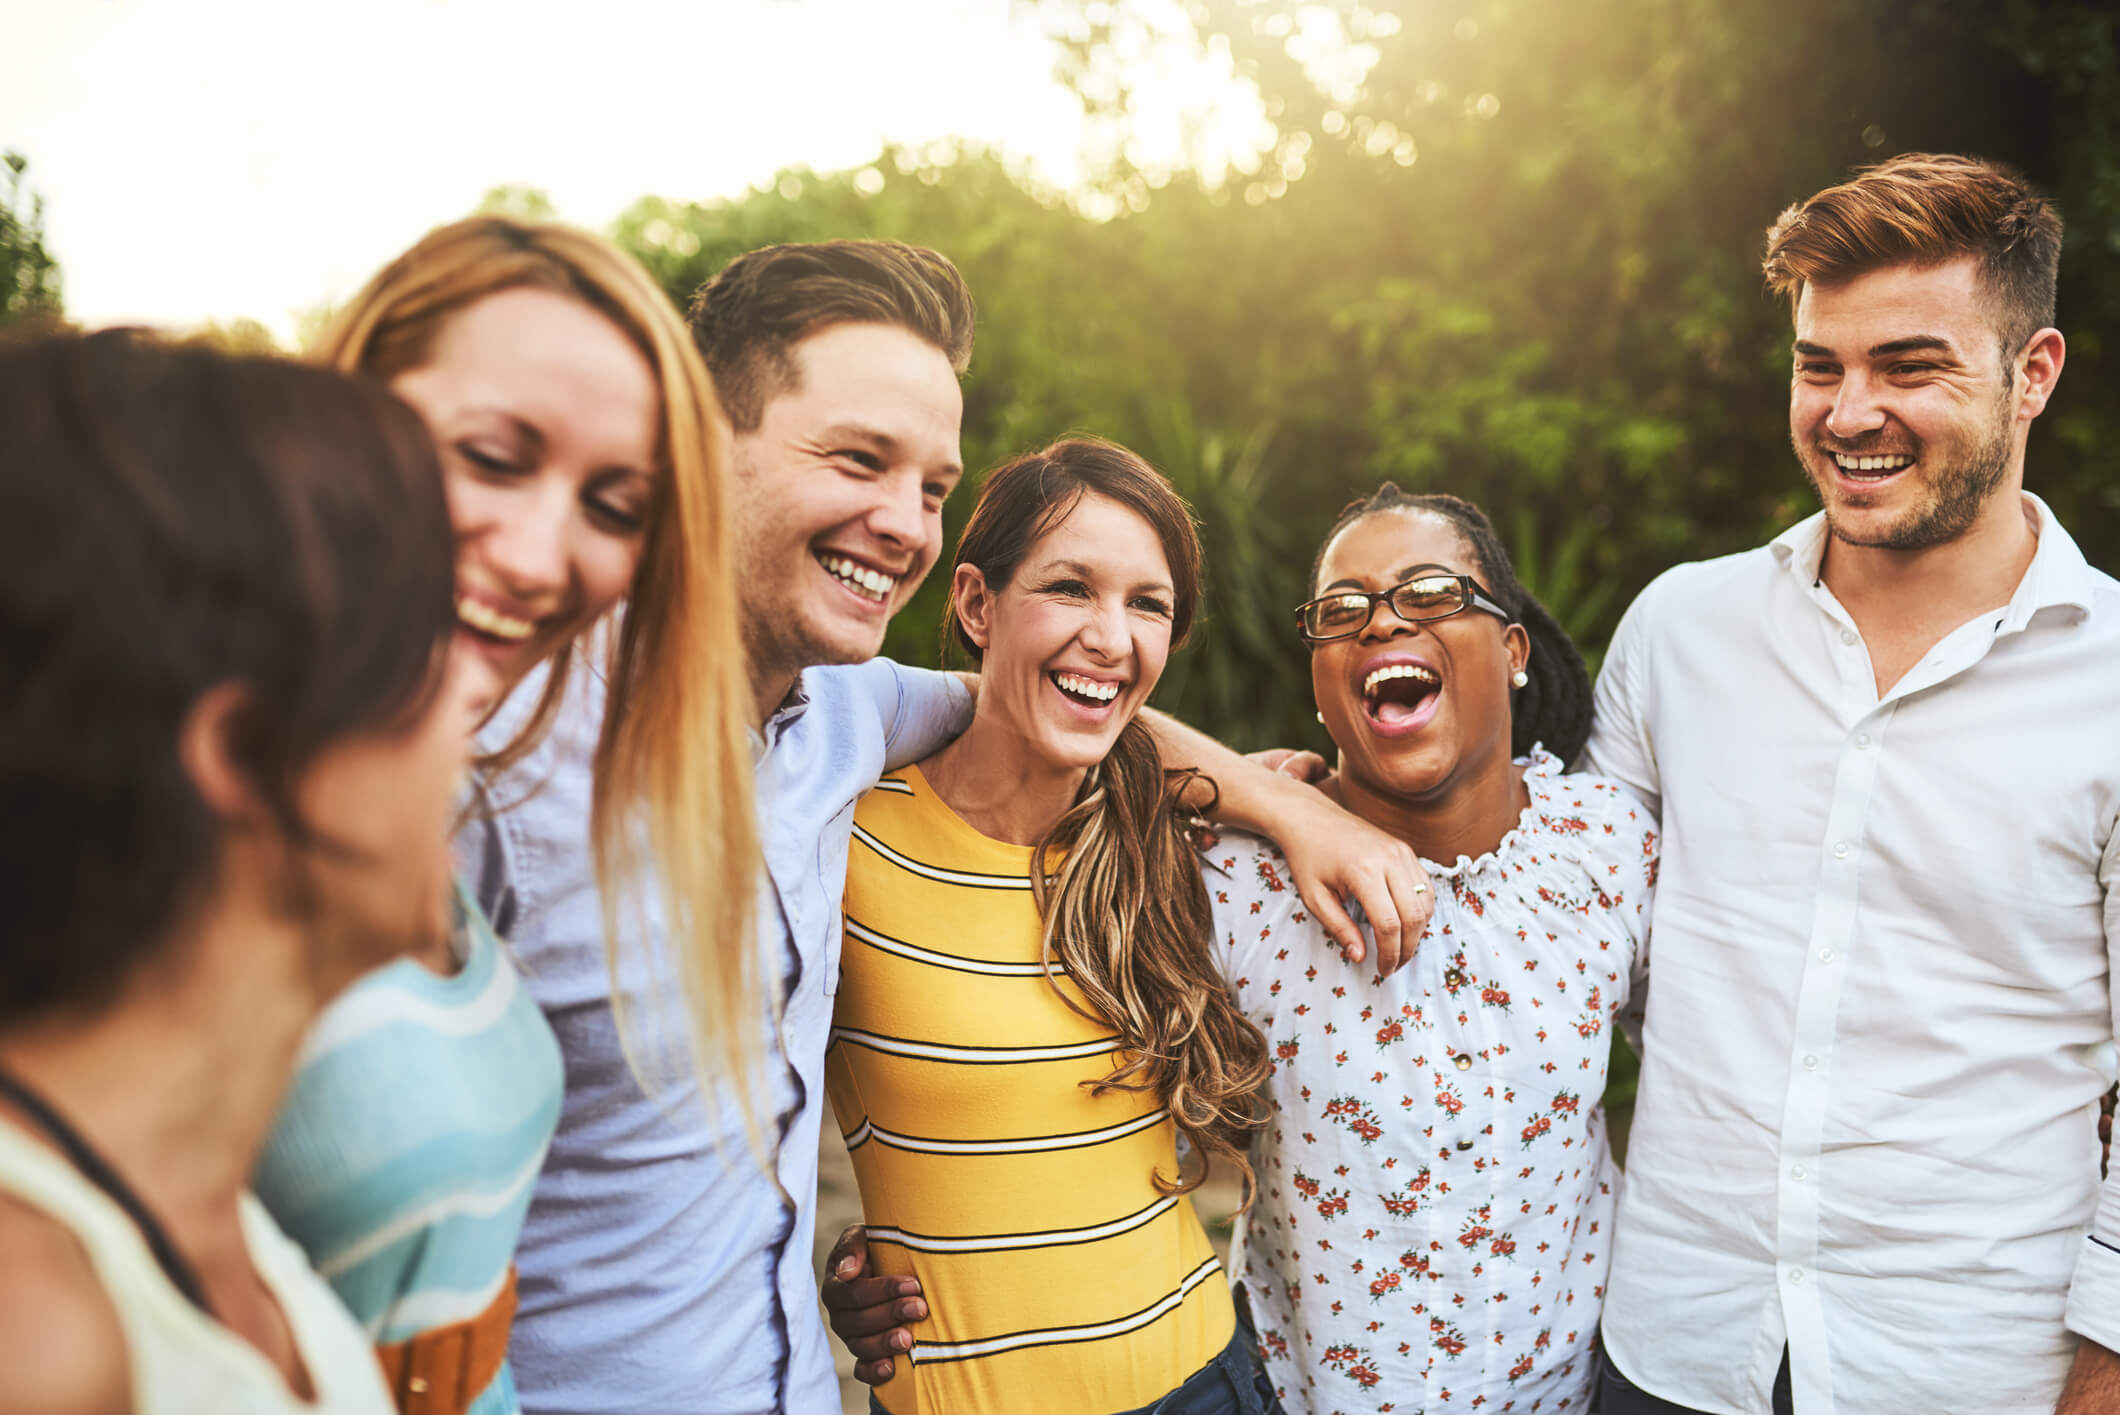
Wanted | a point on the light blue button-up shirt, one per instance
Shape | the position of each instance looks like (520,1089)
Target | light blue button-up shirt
(662,1268)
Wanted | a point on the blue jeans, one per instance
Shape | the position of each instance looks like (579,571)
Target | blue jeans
(1233,1383)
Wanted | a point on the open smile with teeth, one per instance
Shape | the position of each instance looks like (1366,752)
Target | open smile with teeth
(487,620)
(1087,690)
(1871,468)
(1396,694)
(872,585)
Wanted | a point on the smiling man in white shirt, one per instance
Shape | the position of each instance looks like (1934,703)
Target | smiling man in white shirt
(1863,1175)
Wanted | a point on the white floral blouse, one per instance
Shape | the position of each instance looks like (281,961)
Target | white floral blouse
(1434,1214)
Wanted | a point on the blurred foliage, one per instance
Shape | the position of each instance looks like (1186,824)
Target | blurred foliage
(29,276)
(1505,248)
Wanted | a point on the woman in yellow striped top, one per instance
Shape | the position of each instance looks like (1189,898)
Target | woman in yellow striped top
(1028,1015)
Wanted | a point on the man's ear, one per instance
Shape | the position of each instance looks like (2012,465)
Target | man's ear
(207,750)
(974,604)
(2040,365)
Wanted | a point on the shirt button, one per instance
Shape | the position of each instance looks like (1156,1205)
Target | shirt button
(1462,1061)
(1796,1274)
(1840,849)
(1810,1063)
(1862,740)
(1464,1144)
(1797,1172)
(1454,979)
(1847,636)
(1825,955)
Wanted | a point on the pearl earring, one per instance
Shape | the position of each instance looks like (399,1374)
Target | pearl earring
(1321,719)
(1519,678)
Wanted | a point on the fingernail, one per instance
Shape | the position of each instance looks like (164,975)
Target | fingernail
(847,1267)
(901,1341)
(908,1287)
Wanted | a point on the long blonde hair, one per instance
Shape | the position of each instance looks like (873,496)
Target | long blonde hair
(1116,878)
(672,790)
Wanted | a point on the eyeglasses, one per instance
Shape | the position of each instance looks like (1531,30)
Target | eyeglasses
(1345,613)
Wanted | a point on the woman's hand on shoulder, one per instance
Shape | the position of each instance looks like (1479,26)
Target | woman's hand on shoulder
(60,1342)
(1335,855)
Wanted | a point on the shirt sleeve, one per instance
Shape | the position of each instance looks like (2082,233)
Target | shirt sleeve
(1263,930)
(1637,838)
(921,709)
(1621,745)
(2094,1294)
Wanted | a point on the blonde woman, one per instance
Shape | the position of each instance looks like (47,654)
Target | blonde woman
(583,453)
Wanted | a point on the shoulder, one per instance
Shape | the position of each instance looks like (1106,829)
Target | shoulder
(1681,593)
(60,1340)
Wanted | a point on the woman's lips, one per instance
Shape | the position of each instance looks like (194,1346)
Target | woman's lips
(1394,719)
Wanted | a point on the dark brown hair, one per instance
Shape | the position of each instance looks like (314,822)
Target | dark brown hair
(1924,209)
(1552,709)
(174,519)
(748,319)
(1125,911)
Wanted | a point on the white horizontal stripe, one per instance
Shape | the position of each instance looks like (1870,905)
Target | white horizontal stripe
(936,873)
(474,1205)
(361,1010)
(936,1051)
(1052,1238)
(1029,1145)
(437,1307)
(961,964)
(860,1136)
(896,788)
(993,1346)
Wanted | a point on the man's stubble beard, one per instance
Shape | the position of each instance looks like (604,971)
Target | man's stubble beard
(1958,493)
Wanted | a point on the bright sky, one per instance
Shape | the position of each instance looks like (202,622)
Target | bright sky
(218,159)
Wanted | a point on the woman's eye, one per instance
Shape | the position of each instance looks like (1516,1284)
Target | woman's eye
(621,518)
(1073,589)
(485,459)
(1149,604)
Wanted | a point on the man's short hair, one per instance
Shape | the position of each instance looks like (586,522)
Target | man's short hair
(1927,209)
(748,319)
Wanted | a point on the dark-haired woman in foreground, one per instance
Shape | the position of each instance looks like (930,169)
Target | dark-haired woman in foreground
(1433,1226)
(231,735)
(1029,1015)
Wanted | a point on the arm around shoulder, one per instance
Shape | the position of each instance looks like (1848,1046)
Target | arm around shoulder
(60,1342)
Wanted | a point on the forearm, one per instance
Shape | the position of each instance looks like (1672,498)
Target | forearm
(1243,793)
(2093,1383)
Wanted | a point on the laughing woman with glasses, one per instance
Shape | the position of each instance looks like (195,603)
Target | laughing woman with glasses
(1435,1192)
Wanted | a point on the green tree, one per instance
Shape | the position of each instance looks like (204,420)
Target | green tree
(29,276)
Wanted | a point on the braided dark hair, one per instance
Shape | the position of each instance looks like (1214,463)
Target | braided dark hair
(1553,708)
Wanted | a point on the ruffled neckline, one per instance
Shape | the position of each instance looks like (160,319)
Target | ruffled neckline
(1540,767)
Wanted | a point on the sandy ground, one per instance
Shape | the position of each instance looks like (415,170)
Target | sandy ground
(839,1204)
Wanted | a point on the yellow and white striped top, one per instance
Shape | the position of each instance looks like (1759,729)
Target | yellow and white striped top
(1057,1276)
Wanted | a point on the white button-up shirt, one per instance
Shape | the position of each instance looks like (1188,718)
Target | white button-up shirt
(1881,1012)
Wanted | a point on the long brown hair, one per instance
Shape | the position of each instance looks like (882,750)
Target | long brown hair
(1124,908)
(673,765)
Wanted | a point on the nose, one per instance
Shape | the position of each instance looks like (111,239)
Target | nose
(1104,631)
(1856,411)
(899,514)
(527,550)
(1385,622)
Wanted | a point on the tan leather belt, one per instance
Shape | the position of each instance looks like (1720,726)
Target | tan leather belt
(441,1372)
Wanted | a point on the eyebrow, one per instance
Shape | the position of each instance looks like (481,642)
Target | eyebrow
(880,440)
(1912,344)
(1410,572)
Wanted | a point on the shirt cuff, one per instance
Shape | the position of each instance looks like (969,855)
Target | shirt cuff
(2094,1294)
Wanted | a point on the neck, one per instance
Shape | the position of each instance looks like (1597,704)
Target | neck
(1951,582)
(991,778)
(177,1083)
(1467,816)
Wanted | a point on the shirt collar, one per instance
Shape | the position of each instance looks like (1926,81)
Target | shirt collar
(2058,577)
(793,706)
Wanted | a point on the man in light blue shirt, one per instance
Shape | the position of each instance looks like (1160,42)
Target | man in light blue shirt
(665,1263)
